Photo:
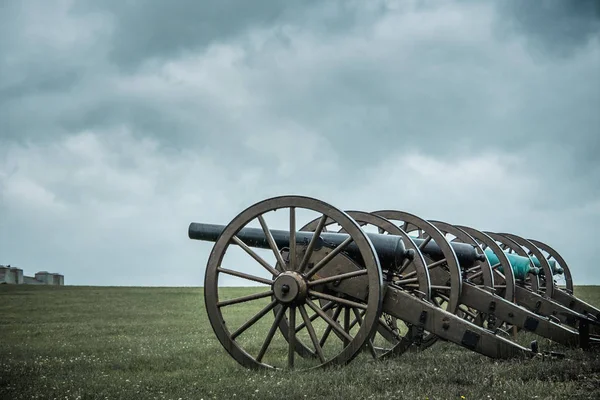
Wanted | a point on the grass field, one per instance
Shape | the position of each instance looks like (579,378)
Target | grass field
(156,343)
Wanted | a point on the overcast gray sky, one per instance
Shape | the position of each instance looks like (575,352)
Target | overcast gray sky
(122,122)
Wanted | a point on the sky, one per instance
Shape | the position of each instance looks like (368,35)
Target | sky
(123,121)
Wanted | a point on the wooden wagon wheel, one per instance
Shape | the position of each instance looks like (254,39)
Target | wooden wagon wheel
(293,289)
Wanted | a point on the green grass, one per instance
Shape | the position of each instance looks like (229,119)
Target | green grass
(156,343)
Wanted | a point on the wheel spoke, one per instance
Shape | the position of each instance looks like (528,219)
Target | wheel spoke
(328,329)
(243,299)
(357,316)
(358,319)
(326,307)
(272,243)
(311,333)
(405,264)
(405,281)
(425,243)
(327,319)
(472,269)
(340,277)
(443,297)
(409,275)
(437,263)
(271,333)
(258,258)
(292,238)
(328,257)
(245,276)
(410,285)
(312,243)
(438,287)
(338,300)
(254,319)
(476,275)
(354,321)
(347,324)
(500,274)
(292,337)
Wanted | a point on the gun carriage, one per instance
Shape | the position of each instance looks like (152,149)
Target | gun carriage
(386,282)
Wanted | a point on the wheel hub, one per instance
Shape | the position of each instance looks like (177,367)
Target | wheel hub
(290,287)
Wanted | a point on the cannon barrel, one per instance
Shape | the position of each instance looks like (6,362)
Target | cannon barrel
(390,248)
(522,266)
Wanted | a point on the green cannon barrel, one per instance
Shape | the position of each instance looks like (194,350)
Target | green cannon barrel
(556,269)
(521,265)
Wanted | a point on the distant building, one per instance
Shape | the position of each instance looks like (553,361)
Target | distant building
(15,276)
(10,274)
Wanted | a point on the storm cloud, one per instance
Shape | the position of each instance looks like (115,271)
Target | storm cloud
(121,122)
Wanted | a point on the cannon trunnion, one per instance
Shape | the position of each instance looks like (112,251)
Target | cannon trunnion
(323,289)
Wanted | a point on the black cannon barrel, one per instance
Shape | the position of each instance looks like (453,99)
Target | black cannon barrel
(465,253)
(390,248)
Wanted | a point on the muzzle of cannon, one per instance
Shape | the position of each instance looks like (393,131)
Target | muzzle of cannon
(386,282)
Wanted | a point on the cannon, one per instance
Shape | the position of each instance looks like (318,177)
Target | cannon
(385,282)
